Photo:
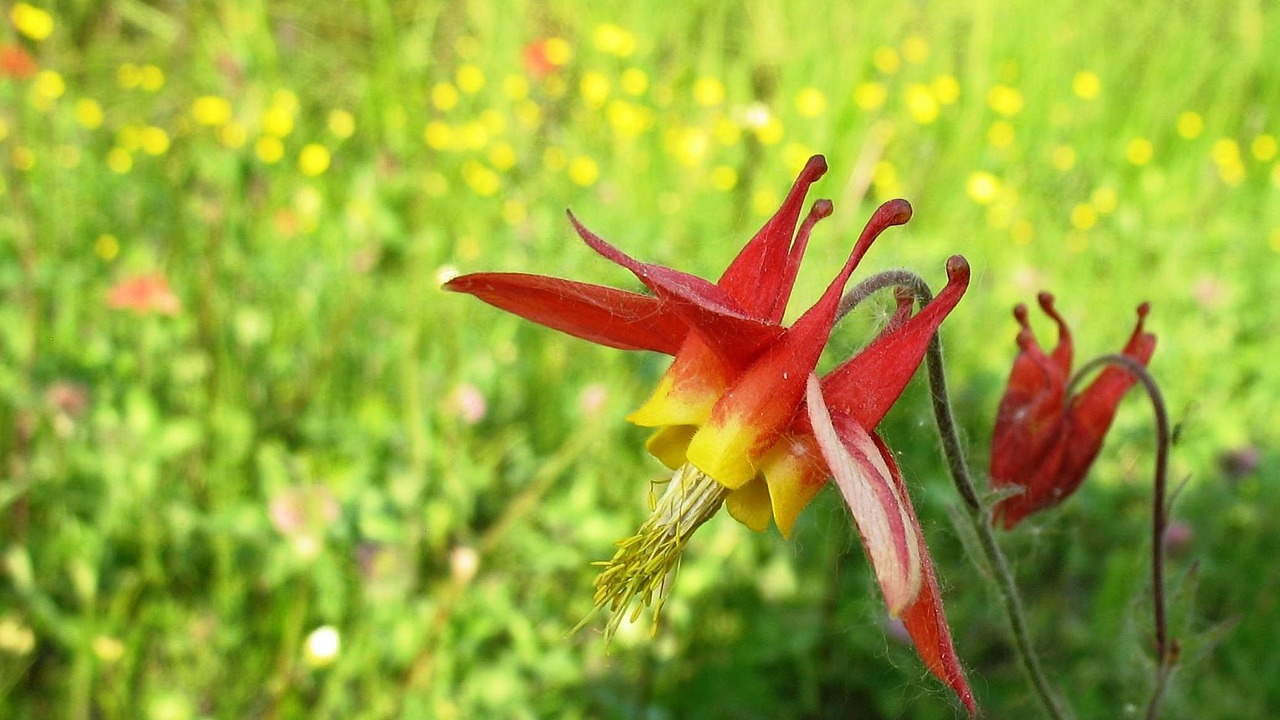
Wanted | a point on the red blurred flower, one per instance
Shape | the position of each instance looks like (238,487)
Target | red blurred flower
(540,59)
(16,63)
(144,294)
(1044,442)
(742,420)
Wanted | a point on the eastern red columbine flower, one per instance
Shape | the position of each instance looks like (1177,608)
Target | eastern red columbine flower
(144,294)
(740,417)
(1044,442)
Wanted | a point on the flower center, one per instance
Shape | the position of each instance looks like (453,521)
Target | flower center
(641,568)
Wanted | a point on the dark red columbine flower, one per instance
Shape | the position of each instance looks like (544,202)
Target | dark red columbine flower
(740,416)
(1044,442)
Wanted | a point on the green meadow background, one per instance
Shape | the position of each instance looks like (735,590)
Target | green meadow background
(254,463)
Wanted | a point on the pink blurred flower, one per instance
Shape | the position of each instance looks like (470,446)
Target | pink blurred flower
(144,294)
(467,403)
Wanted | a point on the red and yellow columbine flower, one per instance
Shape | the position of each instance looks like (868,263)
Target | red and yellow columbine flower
(740,417)
(1044,442)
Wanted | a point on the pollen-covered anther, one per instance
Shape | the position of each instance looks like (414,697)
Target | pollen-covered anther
(640,568)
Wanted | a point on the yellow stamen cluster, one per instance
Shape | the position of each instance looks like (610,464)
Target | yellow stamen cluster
(641,568)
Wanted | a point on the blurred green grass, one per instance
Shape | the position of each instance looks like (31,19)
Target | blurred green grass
(320,438)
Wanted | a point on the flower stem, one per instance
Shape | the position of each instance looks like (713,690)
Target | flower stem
(1166,650)
(979,517)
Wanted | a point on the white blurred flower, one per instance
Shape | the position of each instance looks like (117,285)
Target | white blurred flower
(323,646)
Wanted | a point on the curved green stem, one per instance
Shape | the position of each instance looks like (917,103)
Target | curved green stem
(1166,650)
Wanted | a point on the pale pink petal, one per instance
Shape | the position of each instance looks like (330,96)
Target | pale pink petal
(890,536)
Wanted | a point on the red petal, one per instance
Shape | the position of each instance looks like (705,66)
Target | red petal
(925,619)
(710,311)
(604,315)
(867,385)
(761,276)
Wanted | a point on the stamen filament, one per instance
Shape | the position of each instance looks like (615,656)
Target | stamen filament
(642,566)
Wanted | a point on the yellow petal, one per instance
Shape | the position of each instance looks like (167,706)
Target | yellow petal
(749,504)
(795,473)
(669,443)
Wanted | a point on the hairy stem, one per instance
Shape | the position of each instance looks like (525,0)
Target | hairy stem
(1166,650)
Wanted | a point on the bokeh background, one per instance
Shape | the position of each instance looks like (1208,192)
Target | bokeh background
(256,464)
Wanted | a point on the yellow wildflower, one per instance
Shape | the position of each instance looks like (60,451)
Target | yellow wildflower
(614,40)
(277,121)
(342,124)
(269,149)
(106,247)
(31,21)
(583,171)
(470,79)
(594,88)
(983,187)
(1139,151)
(886,60)
(1086,85)
(921,103)
(1084,216)
(708,91)
(1263,147)
(1005,100)
(150,78)
(634,81)
(724,178)
(444,96)
(154,140)
(211,110)
(119,160)
(946,89)
(49,85)
(313,159)
(870,95)
(88,113)
(1190,125)
(810,102)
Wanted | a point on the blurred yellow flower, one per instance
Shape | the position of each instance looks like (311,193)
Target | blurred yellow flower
(277,121)
(558,51)
(583,171)
(921,103)
(689,145)
(88,114)
(31,21)
(1086,85)
(885,177)
(554,158)
(129,137)
(1263,147)
(708,91)
(106,247)
(726,131)
(444,96)
(108,649)
(810,102)
(23,158)
(795,155)
(437,135)
(915,49)
(1000,134)
(515,87)
(528,113)
(983,187)
(1232,173)
(946,89)
(482,181)
(1104,199)
(1225,151)
(594,88)
(269,149)
(154,140)
(313,159)
(211,110)
(470,79)
(1139,151)
(502,156)
(724,178)
(342,124)
(634,81)
(870,95)
(119,160)
(1063,157)
(1022,232)
(49,85)
(628,119)
(472,136)
(770,132)
(285,99)
(886,60)
(514,212)
(764,202)
(128,75)
(1190,124)
(1005,100)
(233,135)
(614,40)
(1084,216)
(15,637)
(150,78)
